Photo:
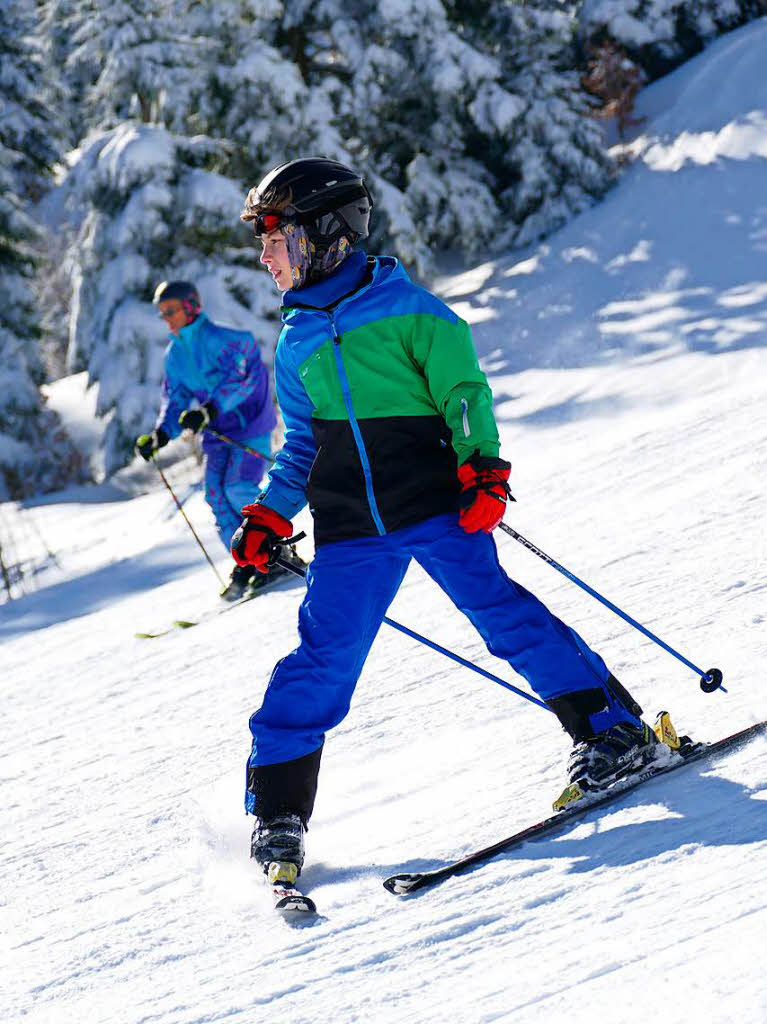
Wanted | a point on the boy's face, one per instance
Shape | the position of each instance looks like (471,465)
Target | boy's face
(274,256)
(173,313)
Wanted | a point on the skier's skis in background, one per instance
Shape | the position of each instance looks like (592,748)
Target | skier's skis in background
(180,624)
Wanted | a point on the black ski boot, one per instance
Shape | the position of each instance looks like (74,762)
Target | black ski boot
(599,760)
(278,846)
(289,554)
(262,581)
(601,756)
(238,584)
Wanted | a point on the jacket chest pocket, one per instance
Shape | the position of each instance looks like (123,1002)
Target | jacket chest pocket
(319,377)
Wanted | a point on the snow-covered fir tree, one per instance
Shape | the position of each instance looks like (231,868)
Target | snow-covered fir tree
(34,452)
(660,34)
(412,84)
(251,94)
(274,90)
(551,155)
(31,137)
(138,60)
(60,22)
(49,105)
(148,208)
(471,132)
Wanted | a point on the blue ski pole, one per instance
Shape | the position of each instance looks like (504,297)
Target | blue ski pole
(709,681)
(422,639)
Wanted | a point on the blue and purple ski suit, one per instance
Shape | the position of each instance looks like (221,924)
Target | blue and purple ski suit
(209,363)
(381,394)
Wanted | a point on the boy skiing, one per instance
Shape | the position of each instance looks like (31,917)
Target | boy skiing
(214,375)
(390,436)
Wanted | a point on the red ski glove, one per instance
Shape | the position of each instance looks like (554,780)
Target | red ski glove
(484,489)
(260,535)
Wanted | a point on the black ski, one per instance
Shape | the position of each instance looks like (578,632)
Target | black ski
(288,900)
(406,883)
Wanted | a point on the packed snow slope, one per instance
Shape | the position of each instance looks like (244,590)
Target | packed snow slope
(629,361)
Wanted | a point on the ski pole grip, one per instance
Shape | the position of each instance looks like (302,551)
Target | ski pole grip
(277,559)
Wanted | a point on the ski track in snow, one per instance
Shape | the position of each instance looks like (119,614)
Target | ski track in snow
(639,461)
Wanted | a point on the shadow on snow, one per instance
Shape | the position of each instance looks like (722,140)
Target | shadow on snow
(82,595)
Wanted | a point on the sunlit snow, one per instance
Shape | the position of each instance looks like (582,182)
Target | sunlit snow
(629,366)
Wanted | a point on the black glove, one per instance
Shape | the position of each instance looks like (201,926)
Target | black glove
(147,444)
(196,419)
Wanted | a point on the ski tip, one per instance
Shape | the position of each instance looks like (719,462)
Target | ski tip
(400,885)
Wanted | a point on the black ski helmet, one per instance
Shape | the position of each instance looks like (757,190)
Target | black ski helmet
(184,291)
(329,200)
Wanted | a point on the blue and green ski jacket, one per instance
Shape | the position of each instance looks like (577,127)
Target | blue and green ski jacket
(382,397)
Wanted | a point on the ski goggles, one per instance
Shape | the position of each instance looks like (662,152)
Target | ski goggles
(169,312)
(265,223)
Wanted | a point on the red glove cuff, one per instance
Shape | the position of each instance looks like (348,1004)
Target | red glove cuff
(474,475)
(253,542)
(484,489)
(262,515)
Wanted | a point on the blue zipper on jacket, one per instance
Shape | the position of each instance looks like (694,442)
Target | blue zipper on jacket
(366,471)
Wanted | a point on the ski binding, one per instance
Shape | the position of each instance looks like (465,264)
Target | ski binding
(287,898)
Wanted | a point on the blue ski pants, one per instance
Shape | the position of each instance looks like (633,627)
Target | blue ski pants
(350,587)
(232,479)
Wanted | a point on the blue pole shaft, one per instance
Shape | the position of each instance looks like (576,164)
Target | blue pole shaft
(462,661)
(603,600)
(436,647)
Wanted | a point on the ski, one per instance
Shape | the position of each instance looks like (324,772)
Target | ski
(405,883)
(190,623)
(180,624)
(289,900)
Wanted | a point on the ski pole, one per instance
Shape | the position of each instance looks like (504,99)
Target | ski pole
(186,518)
(6,577)
(239,444)
(709,681)
(30,521)
(430,643)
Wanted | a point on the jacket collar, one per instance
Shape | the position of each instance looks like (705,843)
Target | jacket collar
(331,289)
(189,332)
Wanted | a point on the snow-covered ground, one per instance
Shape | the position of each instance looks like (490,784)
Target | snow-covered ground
(628,356)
